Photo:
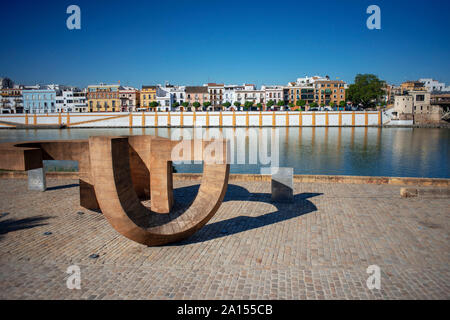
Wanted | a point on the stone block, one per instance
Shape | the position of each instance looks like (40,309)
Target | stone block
(408,192)
(36,180)
(282,185)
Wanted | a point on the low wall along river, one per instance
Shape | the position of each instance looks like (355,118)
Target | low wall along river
(197,119)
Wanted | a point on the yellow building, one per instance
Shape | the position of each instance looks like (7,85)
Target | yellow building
(148,95)
(103,98)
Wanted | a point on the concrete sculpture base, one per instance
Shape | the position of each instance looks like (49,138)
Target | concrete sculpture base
(116,173)
(282,184)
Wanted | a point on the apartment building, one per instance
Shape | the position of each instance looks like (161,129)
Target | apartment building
(71,100)
(303,92)
(11,100)
(103,98)
(177,93)
(274,93)
(164,99)
(329,92)
(129,99)
(39,100)
(198,94)
(412,86)
(230,93)
(434,86)
(216,92)
(250,93)
(147,95)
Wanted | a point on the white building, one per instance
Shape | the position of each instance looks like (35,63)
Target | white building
(177,93)
(164,99)
(434,85)
(308,81)
(70,100)
(274,93)
(250,93)
(230,93)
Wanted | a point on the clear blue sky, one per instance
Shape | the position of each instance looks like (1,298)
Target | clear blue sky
(196,41)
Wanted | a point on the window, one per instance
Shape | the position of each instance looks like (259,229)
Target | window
(420,97)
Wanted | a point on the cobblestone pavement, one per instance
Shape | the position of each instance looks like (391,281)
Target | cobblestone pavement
(317,248)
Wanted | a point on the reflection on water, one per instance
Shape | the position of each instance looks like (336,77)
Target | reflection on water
(402,152)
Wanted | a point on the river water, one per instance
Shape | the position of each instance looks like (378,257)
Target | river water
(397,152)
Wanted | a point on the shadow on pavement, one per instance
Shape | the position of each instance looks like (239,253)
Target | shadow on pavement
(284,211)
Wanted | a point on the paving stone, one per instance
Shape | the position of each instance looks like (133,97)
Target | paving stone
(318,247)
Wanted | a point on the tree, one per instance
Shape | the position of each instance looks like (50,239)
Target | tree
(175,104)
(153,104)
(313,105)
(342,104)
(300,103)
(270,103)
(333,104)
(367,90)
(206,104)
(185,104)
(248,105)
(237,104)
(259,106)
(196,105)
(291,105)
(280,103)
(227,104)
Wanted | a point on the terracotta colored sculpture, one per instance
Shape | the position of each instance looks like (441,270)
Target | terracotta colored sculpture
(116,173)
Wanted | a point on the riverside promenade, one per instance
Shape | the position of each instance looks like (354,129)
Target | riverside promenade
(319,247)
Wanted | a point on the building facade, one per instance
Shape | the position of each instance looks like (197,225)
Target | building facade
(412,103)
(164,99)
(298,93)
(129,99)
(216,92)
(412,86)
(434,85)
(39,101)
(250,94)
(329,92)
(274,93)
(103,98)
(230,93)
(198,94)
(11,100)
(71,100)
(147,96)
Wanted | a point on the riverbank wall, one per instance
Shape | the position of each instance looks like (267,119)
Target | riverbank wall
(197,119)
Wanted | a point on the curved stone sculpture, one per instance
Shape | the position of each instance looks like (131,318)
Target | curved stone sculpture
(118,172)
